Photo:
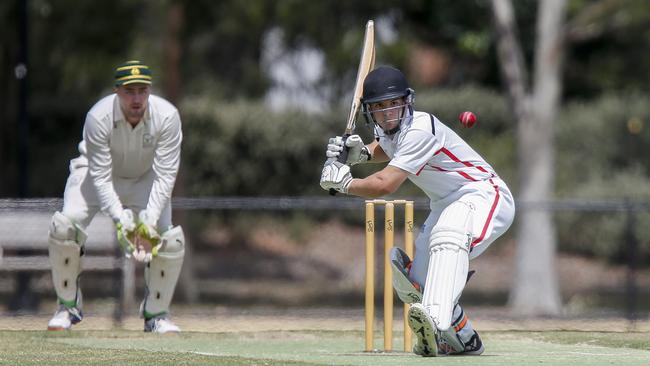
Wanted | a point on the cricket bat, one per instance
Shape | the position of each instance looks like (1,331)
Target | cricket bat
(366,63)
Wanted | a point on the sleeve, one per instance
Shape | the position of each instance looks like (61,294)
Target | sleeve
(415,150)
(97,137)
(165,165)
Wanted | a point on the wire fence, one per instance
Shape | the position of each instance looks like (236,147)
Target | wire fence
(281,203)
(23,208)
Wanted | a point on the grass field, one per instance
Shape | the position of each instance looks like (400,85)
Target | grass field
(304,339)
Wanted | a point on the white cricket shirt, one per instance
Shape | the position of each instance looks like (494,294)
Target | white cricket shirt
(115,150)
(440,162)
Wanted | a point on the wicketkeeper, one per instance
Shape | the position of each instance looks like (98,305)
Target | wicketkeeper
(129,158)
(470,206)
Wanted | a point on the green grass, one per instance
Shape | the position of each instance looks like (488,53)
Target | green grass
(120,347)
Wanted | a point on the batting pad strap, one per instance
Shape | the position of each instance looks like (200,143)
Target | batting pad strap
(147,315)
(68,304)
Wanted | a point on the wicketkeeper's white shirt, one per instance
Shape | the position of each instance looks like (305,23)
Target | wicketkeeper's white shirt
(115,150)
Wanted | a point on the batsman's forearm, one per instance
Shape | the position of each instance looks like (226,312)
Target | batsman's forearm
(381,183)
(370,187)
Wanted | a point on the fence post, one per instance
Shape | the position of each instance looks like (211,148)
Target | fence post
(632,254)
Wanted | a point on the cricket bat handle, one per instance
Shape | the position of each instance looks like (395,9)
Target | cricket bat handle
(343,157)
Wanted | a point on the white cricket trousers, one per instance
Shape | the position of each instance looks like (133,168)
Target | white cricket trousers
(81,203)
(493,215)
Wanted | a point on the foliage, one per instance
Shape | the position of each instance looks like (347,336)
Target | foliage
(74,46)
(598,30)
(598,149)
(224,43)
(244,149)
(235,146)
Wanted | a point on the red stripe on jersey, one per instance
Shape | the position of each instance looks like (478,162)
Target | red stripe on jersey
(463,174)
(489,218)
(456,159)
(421,169)
(466,163)
(466,176)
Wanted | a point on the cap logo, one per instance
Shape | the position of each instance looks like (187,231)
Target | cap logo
(135,71)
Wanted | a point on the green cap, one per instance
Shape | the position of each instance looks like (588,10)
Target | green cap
(132,72)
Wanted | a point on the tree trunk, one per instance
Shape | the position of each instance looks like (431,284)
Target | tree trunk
(535,288)
(187,289)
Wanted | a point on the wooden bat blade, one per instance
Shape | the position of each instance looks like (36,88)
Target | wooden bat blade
(366,63)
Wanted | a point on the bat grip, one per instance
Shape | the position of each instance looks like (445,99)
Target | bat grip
(343,157)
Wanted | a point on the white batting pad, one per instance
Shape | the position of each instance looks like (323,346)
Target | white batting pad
(65,243)
(449,262)
(161,274)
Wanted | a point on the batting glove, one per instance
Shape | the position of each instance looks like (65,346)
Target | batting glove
(358,152)
(336,176)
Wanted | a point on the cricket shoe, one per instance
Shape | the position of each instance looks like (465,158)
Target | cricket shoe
(160,325)
(64,318)
(447,345)
(474,346)
(425,330)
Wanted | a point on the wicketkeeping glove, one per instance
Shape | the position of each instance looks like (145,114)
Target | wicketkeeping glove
(147,238)
(125,226)
(336,176)
(358,152)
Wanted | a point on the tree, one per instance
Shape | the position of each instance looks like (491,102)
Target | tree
(535,290)
(535,108)
(188,289)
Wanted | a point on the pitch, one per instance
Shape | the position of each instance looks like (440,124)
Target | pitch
(309,347)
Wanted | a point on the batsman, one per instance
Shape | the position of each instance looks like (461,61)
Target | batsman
(470,206)
(127,167)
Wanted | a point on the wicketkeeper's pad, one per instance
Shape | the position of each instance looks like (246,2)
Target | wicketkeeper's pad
(66,241)
(161,274)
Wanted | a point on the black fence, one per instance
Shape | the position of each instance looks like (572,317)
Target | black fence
(631,208)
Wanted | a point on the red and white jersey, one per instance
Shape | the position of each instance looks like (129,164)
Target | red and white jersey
(440,162)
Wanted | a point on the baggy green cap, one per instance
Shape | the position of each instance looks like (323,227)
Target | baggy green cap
(132,72)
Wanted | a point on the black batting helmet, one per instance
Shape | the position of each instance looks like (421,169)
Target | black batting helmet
(386,83)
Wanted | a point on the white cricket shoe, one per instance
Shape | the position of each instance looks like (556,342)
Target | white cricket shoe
(64,318)
(424,328)
(160,325)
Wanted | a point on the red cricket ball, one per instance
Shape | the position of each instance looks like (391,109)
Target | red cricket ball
(467,119)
